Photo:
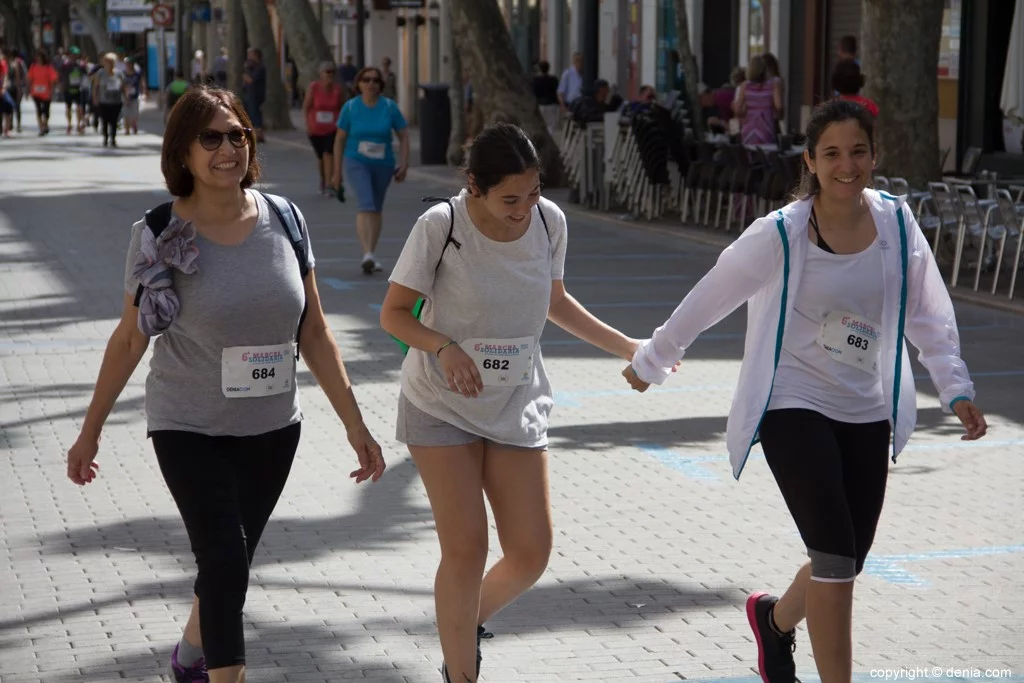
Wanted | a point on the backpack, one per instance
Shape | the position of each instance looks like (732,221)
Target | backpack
(159,217)
(417,310)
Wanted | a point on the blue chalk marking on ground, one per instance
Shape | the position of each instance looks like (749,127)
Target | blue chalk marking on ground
(335,283)
(891,569)
(895,674)
(574,399)
(376,307)
(688,465)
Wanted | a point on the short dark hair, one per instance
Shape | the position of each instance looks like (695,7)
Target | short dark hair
(848,44)
(847,78)
(500,150)
(823,116)
(191,115)
(544,66)
(43,56)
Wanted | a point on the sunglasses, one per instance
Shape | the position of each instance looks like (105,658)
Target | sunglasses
(371,79)
(211,140)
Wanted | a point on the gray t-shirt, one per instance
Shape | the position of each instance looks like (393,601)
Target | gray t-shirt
(483,290)
(111,86)
(250,294)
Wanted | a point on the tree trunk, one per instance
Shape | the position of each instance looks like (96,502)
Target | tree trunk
(94,25)
(901,61)
(237,44)
(500,87)
(305,37)
(457,138)
(185,39)
(689,68)
(261,35)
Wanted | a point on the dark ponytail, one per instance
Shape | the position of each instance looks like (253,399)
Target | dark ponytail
(500,150)
(823,116)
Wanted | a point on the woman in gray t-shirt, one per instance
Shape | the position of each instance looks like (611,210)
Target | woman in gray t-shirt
(475,395)
(223,277)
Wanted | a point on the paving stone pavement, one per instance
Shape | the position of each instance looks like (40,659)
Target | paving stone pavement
(656,547)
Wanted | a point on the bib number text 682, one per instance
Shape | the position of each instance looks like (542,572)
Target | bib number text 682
(495,364)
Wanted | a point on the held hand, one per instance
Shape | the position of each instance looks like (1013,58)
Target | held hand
(638,384)
(972,419)
(371,460)
(400,173)
(632,345)
(81,466)
(460,371)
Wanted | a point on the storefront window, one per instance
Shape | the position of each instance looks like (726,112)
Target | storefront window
(949,48)
(758,27)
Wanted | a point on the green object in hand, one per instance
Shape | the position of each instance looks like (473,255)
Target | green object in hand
(417,311)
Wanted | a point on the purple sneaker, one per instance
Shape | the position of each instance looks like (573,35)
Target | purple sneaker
(188,674)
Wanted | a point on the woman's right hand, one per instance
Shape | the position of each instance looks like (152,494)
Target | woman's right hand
(81,457)
(460,371)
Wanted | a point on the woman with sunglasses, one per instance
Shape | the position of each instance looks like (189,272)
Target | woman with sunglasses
(322,105)
(219,285)
(365,129)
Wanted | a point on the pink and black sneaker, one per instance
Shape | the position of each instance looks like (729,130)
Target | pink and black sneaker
(774,650)
(196,673)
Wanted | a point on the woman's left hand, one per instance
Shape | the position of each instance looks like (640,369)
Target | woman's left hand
(371,459)
(972,419)
(400,172)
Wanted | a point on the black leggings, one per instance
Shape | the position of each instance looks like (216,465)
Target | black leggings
(225,488)
(42,107)
(109,113)
(832,476)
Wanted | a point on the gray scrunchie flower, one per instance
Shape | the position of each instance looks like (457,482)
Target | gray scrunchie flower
(174,248)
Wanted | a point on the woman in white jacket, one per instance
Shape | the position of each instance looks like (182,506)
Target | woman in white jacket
(834,283)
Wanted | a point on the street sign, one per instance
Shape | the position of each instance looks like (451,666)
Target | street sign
(123,23)
(202,13)
(162,15)
(342,14)
(116,6)
(78,28)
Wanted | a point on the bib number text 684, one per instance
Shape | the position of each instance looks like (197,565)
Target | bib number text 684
(262,373)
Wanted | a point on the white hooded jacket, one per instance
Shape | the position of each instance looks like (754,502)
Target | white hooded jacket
(764,267)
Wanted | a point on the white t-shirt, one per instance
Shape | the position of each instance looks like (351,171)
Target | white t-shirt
(483,290)
(808,376)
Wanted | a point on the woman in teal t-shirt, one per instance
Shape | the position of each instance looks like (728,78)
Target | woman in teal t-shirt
(363,148)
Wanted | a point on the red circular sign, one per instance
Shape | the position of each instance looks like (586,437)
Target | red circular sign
(162,15)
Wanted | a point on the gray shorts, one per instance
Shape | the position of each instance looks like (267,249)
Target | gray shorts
(417,428)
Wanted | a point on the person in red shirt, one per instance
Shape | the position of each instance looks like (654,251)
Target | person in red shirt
(322,106)
(42,78)
(848,81)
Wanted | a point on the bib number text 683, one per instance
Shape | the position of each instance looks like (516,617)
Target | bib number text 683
(857,342)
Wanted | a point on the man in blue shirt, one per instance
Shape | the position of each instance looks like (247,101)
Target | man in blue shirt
(571,86)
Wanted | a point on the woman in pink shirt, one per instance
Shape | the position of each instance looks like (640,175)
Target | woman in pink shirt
(757,104)
(322,106)
(42,78)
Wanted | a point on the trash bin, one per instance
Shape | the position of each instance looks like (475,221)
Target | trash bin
(435,123)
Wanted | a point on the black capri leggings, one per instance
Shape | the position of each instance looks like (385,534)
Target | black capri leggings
(109,113)
(42,107)
(832,476)
(225,488)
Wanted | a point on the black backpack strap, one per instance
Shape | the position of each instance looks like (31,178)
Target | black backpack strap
(451,228)
(157,218)
(295,228)
(544,221)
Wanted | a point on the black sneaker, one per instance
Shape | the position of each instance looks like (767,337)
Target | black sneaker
(481,634)
(774,652)
(367,265)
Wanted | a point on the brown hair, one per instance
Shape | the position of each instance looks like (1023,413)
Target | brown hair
(823,116)
(362,72)
(191,115)
(757,70)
